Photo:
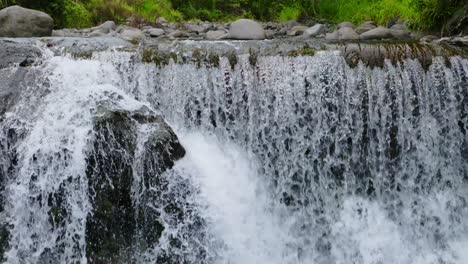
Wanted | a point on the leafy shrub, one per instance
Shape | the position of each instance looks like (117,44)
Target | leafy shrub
(433,14)
(76,15)
(290,13)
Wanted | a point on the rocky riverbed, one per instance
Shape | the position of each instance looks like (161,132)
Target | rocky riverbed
(16,21)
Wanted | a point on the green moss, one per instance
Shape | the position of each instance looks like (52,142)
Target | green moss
(213,59)
(152,55)
(253,57)
(304,51)
(85,55)
(232,57)
(198,56)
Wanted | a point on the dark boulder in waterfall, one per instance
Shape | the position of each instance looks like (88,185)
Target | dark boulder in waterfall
(120,226)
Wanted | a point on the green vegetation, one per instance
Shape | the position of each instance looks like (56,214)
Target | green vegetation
(421,14)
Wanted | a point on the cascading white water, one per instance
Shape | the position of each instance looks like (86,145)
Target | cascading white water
(290,160)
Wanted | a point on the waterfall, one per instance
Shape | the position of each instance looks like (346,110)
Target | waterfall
(288,160)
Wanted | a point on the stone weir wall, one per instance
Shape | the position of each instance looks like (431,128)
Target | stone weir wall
(27,51)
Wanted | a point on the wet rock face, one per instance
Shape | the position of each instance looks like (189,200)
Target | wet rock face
(119,226)
(16,21)
(12,78)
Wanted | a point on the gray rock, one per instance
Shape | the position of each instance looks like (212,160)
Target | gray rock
(377,34)
(178,34)
(269,33)
(132,34)
(12,80)
(154,32)
(314,31)
(65,33)
(345,33)
(246,29)
(191,28)
(215,34)
(392,21)
(460,41)
(16,21)
(161,20)
(366,26)
(398,26)
(105,27)
(96,34)
(297,30)
(346,25)
(401,34)
(282,31)
(428,39)
(291,23)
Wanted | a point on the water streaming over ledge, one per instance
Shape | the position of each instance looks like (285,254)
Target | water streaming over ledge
(289,159)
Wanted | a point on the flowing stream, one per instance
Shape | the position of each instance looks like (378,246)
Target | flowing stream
(289,159)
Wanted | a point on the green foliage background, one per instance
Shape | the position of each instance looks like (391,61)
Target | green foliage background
(422,14)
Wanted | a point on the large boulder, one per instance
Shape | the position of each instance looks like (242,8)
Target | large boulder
(246,29)
(16,21)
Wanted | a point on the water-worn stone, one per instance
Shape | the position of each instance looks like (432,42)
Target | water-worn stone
(178,34)
(377,34)
(342,34)
(161,20)
(290,24)
(16,21)
(191,28)
(65,33)
(366,26)
(428,39)
(460,41)
(398,26)
(215,34)
(297,30)
(314,31)
(400,34)
(246,29)
(346,25)
(132,34)
(96,34)
(154,32)
(105,27)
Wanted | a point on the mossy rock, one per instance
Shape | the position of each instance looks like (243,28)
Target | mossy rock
(152,55)
(303,51)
